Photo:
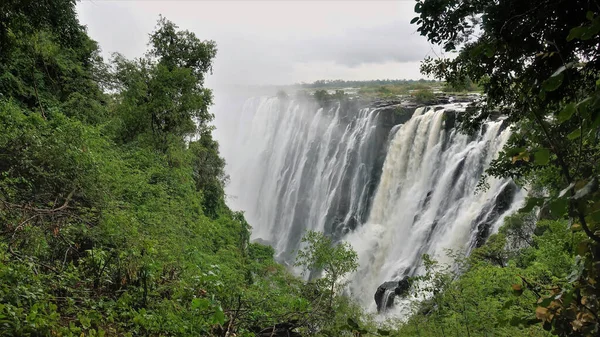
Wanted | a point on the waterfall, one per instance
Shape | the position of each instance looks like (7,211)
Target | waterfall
(301,167)
(395,186)
(426,200)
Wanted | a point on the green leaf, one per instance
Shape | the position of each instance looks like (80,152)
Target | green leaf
(219,316)
(541,156)
(576,33)
(567,112)
(352,323)
(590,32)
(200,303)
(415,19)
(574,135)
(595,216)
(531,204)
(553,83)
(589,15)
(545,302)
(516,321)
(558,207)
(418,7)
(508,304)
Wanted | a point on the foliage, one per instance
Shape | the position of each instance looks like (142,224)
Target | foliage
(335,260)
(163,92)
(113,219)
(483,296)
(539,65)
(424,96)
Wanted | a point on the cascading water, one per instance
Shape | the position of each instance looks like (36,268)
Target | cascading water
(300,167)
(426,201)
(394,186)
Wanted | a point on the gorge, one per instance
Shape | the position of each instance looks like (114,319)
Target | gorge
(393,179)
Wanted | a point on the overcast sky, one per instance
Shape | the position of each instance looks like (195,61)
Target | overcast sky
(274,42)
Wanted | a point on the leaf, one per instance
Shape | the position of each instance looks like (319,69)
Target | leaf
(590,32)
(558,207)
(589,15)
(574,135)
(508,304)
(567,112)
(531,204)
(541,313)
(418,7)
(545,302)
(595,216)
(567,298)
(560,70)
(576,33)
(200,303)
(219,316)
(415,19)
(515,321)
(541,156)
(517,289)
(352,323)
(553,83)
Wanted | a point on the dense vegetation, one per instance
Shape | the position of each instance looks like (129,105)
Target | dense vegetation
(112,212)
(539,65)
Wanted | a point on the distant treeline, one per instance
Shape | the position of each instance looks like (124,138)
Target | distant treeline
(342,83)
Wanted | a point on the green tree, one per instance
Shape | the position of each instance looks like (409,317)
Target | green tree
(538,64)
(163,93)
(336,260)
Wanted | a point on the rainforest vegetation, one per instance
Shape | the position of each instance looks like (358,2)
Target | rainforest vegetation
(113,220)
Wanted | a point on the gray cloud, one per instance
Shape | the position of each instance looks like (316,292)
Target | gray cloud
(393,42)
(268,42)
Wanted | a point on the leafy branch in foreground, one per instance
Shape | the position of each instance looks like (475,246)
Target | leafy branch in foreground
(539,65)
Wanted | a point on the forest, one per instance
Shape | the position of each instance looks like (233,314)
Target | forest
(113,213)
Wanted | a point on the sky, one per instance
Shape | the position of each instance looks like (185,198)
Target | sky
(274,42)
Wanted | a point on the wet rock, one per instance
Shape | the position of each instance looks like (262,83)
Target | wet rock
(387,292)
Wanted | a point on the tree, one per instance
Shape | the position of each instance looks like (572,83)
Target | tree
(336,260)
(539,65)
(163,92)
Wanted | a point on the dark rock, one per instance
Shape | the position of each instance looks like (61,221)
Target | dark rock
(402,288)
(262,242)
(487,217)
(387,292)
(449,119)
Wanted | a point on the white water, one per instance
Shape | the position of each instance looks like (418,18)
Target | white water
(425,202)
(294,167)
(299,168)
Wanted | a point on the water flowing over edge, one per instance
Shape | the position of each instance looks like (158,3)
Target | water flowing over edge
(394,190)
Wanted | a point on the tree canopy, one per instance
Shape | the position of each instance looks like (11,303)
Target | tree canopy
(539,65)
